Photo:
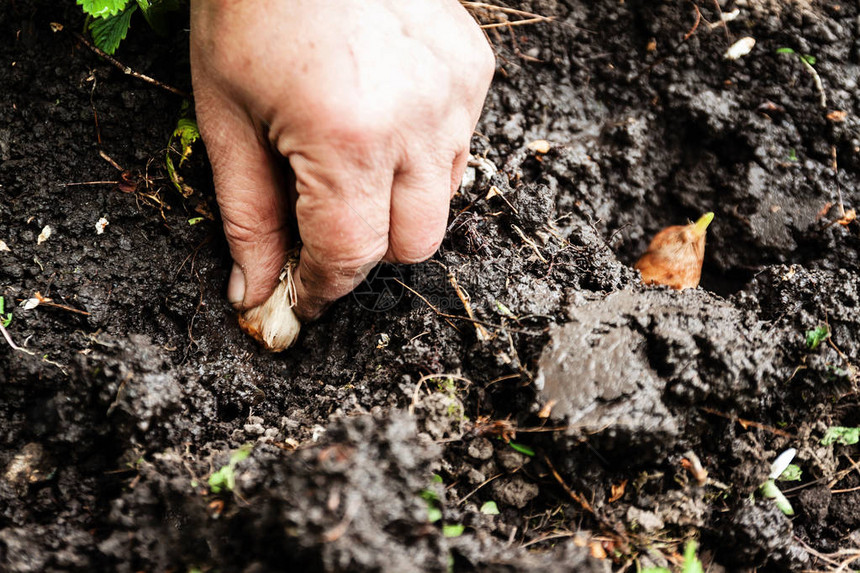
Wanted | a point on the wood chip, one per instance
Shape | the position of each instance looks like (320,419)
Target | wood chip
(540,146)
(837,116)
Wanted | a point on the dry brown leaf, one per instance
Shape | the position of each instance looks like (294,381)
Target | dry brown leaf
(617,491)
(837,116)
(596,549)
(546,410)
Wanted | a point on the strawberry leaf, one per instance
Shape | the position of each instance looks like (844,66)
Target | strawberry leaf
(102,8)
(109,32)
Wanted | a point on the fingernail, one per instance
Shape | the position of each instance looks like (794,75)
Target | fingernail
(236,286)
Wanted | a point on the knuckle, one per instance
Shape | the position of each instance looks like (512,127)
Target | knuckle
(247,228)
(350,122)
(333,276)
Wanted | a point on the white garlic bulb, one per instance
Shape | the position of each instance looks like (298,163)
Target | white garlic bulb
(273,323)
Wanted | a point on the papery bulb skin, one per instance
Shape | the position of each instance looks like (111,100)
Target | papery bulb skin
(274,324)
(674,257)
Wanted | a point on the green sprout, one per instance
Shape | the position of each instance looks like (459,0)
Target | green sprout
(434,514)
(792,154)
(841,435)
(181,141)
(780,466)
(504,310)
(490,508)
(431,498)
(522,449)
(817,335)
(447,385)
(225,478)
(808,62)
(791,473)
(194,220)
(691,562)
(434,510)
(5,317)
(805,57)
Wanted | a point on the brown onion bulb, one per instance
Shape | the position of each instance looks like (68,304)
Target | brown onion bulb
(674,257)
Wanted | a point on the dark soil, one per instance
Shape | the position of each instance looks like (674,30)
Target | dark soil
(137,383)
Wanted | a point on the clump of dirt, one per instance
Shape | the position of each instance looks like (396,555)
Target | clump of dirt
(520,402)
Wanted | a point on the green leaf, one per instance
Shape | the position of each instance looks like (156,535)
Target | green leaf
(522,449)
(490,508)
(841,435)
(194,220)
(225,478)
(5,317)
(108,32)
(785,51)
(222,480)
(436,478)
(453,529)
(791,473)
(504,311)
(817,335)
(102,8)
(691,562)
(808,59)
(186,132)
(792,154)
(434,514)
(429,495)
(241,454)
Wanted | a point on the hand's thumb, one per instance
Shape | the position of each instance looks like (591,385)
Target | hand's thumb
(253,203)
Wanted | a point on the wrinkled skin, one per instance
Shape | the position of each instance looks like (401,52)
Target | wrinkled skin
(372,104)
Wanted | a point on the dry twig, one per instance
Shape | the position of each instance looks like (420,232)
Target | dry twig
(127,70)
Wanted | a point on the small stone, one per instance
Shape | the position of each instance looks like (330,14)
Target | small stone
(514,491)
(480,449)
(474,477)
(647,520)
(511,460)
(254,429)
(31,465)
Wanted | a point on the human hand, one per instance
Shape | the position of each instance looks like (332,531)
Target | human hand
(372,103)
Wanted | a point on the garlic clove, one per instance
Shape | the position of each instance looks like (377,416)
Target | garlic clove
(274,324)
